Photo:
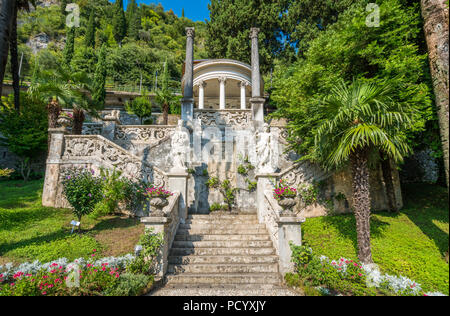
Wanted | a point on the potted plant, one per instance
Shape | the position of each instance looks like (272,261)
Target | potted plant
(285,197)
(158,200)
(65,119)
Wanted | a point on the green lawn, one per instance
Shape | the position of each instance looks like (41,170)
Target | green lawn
(29,231)
(412,243)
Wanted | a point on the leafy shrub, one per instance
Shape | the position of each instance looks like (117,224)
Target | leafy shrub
(348,277)
(242,170)
(224,187)
(6,172)
(217,207)
(309,193)
(118,190)
(145,262)
(130,285)
(83,191)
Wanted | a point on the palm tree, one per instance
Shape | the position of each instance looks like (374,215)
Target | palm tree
(435,18)
(8,41)
(164,97)
(7,8)
(63,87)
(361,120)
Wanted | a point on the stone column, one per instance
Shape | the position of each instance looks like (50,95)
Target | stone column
(222,103)
(242,85)
(187,103)
(52,169)
(257,101)
(201,95)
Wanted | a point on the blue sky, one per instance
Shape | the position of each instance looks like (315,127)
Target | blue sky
(196,10)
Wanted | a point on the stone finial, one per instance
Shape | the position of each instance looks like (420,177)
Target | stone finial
(254,31)
(190,32)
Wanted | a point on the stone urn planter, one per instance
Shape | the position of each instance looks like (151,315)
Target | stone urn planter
(157,205)
(287,204)
(64,121)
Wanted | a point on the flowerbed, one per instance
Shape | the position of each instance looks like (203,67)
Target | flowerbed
(348,277)
(60,277)
(126,275)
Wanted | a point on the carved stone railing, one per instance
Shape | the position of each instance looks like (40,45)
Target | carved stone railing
(234,118)
(95,149)
(303,172)
(143,133)
(168,225)
(92,128)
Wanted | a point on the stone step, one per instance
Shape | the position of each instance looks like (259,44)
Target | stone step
(221,237)
(220,225)
(223,216)
(222,259)
(225,290)
(223,222)
(223,244)
(208,268)
(222,251)
(221,231)
(225,278)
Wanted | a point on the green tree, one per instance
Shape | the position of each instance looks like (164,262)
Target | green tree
(305,19)
(140,106)
(119,22)
(359,121)
(133,19)
(89,39)
(99,92)
(24,133)
(165,98)
(229,28)
(70,46)
(63,86)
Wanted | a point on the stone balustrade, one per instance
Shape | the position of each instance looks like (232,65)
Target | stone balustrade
(167,225)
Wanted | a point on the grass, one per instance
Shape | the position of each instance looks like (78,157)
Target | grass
(29,231)
(412,243)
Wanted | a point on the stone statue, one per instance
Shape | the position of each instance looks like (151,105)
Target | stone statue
(264,150)
(180,147)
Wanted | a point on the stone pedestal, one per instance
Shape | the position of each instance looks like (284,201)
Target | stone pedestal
(52,170)
(257,104)
(109,127)
(178,180)
(187,109)
(289,230)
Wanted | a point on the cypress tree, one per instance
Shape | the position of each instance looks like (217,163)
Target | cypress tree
(63,11)
(89,39)
(119,22)
(133,19)
(69,47)
(99,92)
(182,13)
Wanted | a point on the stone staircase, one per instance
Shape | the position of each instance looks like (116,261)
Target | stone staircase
(223,255)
